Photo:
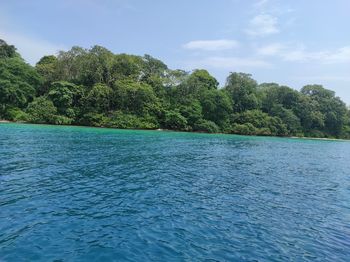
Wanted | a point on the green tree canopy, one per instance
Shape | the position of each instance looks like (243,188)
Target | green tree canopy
(243,91)
(94,86)
(7,51)
(18,82)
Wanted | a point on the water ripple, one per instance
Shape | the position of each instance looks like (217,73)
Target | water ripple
(87,194)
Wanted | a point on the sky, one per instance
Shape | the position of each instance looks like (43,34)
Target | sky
(290,42)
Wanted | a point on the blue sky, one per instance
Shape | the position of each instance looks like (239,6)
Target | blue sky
(289,42)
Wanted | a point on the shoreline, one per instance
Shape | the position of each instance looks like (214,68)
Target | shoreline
(3,121)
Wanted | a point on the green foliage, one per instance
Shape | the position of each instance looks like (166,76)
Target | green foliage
(152,69)
(216,106)
(98,99)
(271,94)
(16,114)
(288,117)
(331,111)
(18,82)
(243,129)
(95,87)
(42,110)
(345,132)
(122,120)
(192,112)
(317,91)
(261,122)
(174,120)
(65,96)
(135,97)
(94,119)
(206,126)
(46,67)
(62,120)
(243,91)
(199,82)
(6,51)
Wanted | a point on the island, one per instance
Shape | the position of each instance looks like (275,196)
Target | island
(95,87)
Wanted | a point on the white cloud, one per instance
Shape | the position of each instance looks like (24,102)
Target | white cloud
(271,49)
(301,54)
(259,4)
(324,78)
(262,25)
(230,63)
(211,45)
(31,49)
(340,55)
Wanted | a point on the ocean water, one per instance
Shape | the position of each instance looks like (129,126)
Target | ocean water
(90,194)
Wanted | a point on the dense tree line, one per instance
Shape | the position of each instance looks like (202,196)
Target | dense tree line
(95,87)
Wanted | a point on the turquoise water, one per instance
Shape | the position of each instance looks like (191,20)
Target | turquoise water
(89,194)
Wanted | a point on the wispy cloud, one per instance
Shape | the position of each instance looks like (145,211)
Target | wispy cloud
(229,63)
(301,54)
(340,55)
(100,5)
(271,49)
(275,7)
(31,49)
(338,78)
(211,45)
(262,25)
(260,4)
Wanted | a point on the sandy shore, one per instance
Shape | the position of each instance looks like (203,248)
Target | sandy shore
(4,121)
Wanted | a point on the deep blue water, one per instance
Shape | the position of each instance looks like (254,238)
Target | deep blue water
(88,194)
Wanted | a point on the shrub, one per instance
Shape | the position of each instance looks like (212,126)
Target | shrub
(17,114)
(94,119)
(346,132)
(125,121)
(206,126)
(174,120)
(263,132)
(315,133)
(243,129)
(62,120)
(42,110)
(262,123)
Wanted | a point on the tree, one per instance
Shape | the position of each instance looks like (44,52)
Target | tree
(134,97)
(333,110)
(192,112)
(70,64)
(259,123)
(174,120)
(317,91)
(127,67)
(7,51)
(308,112)
(42,110)
(196,84)
(93,86)
(271,94)
(97,66)
(65,96)
(98,99)
(153,67)
(288,117)
(154,73)
(18,82)
(242,90)
(216,106)
(46,67)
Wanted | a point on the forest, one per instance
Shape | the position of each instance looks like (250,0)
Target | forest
(95,87)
